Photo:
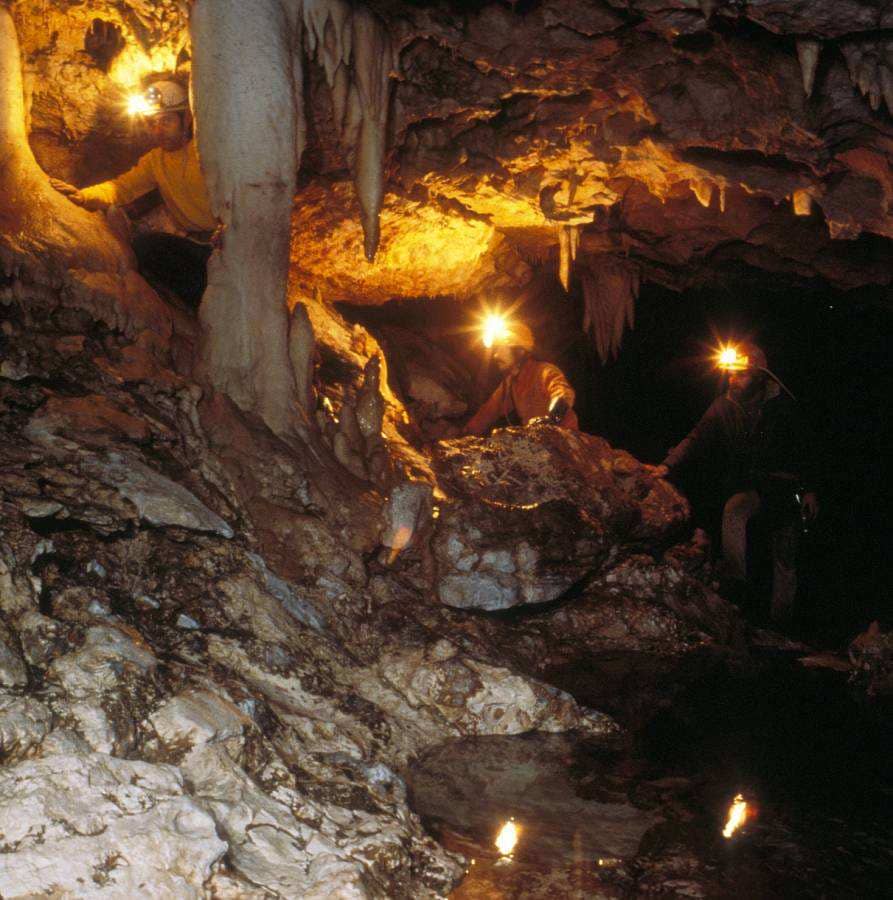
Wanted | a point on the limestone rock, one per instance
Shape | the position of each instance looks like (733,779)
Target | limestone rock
(198,717)
(24,723)
(158,500)
(13,673)
(98,826)
(107,654)
(539,509)
(477,698)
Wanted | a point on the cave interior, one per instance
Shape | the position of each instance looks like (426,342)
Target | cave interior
(248,562)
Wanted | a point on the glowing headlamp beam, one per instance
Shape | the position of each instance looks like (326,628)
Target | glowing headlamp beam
(729,359)
(494,329)
(137,105)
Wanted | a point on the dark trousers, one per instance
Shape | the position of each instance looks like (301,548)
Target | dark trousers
(173,263)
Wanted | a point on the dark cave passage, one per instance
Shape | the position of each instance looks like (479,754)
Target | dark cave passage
(830,347)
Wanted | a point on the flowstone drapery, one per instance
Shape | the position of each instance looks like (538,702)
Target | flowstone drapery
(45,240)
(251,132)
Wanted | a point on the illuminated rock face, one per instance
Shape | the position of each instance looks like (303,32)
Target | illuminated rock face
(538,510)
(686,142)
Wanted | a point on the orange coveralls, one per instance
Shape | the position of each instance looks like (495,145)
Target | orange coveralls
(529,390)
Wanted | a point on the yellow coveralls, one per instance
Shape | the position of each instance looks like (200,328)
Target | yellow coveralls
(177,176)
(528,390)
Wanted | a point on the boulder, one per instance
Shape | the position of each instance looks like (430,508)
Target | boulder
(537,509)
(92,825)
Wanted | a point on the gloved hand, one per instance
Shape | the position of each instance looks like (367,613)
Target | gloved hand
(68,190)
(660,471)
(558,409)
(809,506)
(540,420)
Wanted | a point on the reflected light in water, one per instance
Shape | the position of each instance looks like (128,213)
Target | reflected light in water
(507,838)
(737,816)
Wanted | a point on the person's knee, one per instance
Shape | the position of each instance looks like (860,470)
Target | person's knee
(739,508)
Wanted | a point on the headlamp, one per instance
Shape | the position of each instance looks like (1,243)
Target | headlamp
(494,329)
(729,359)
(138,105)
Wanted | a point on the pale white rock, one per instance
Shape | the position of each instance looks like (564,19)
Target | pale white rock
(198,717)
(24,723)
(477,698)
(95,668)
(13,673)
(94,727)
(267,845)
(64,742)
(157,499)
(97,826)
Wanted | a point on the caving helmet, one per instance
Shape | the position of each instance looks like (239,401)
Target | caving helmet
(519,335)
(164,97)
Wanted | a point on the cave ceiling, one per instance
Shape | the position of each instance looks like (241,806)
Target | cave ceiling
(689,137)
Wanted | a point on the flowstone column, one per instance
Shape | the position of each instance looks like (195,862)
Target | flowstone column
(244,99)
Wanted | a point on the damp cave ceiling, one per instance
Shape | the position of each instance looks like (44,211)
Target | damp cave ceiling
(677,134)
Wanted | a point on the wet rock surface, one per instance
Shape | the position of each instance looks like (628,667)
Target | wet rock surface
(182,592)
(538,510)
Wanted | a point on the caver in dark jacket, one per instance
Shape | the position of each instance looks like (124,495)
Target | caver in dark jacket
(755,440)
(760,445)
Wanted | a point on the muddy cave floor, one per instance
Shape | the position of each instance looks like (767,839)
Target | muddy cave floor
(644,814)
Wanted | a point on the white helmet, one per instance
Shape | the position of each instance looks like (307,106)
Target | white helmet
(164,97)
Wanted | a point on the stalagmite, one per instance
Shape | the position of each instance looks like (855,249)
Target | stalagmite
(301,350)
(370,403)
(610,288)
(808,52)
(347,443)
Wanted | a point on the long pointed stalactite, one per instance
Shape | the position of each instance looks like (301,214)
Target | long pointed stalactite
(610,289)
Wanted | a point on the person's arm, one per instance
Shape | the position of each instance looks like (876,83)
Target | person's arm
(491,410)
(557,387)
(697,443)
(121,190)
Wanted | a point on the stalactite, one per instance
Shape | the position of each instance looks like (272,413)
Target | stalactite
(703,190)
(808,52)
(355,51)
(568,241)
(610,288)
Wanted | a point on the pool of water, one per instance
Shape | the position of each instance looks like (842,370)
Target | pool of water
(644,814)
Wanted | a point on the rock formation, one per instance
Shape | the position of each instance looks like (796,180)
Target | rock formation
(233,609)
